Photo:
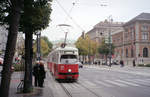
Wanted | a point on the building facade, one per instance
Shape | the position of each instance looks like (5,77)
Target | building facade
(102,29)
(134,41)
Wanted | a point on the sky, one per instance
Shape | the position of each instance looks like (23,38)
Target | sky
(82,15)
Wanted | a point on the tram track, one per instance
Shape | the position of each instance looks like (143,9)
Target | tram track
(66,91)
(89,90)
(82,86)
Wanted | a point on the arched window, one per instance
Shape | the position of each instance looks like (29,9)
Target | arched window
(126,52)
(145,52)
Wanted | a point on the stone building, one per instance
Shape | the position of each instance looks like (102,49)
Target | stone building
(102,29)
(133,42)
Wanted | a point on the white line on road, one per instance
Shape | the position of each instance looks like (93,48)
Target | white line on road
(116,83)
(104,84)
(129,83)
(89,83)
(143,80)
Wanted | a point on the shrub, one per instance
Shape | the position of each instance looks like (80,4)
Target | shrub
(141,65)
(18,67)
(147,65)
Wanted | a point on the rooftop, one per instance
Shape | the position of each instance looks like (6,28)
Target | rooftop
(140,17)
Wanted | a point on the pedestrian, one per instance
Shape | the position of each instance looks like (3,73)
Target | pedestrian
(36,73)
(134,63)
(121,63)
(42,74)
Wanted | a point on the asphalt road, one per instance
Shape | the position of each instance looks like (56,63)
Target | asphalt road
(116,81)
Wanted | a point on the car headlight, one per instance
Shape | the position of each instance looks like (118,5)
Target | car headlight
(69,70)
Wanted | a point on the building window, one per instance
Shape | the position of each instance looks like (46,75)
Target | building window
(132,52)
(145,52)
(126,52)
(144,28)
(144,35)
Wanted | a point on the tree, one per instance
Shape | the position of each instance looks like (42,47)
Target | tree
(50,45)
(104,49)
(36,17)
(86,46)
(10,15)
(45,49)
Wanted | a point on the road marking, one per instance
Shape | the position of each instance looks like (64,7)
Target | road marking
(142,80)
(129,83)
(147,79)
(105,84)
(116,83)
(89,83)
(76,85)
(137,81)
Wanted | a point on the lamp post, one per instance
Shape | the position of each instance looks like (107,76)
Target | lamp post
(38,45)
(110,48)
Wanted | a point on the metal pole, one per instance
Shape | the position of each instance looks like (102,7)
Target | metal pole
(38,45)
(110,21)
(65,38)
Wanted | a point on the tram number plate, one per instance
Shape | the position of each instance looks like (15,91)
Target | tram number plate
(69,77)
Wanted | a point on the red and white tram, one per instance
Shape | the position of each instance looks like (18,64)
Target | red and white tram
(62,62)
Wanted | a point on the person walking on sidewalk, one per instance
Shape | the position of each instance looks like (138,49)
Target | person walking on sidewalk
(134,63)
(121,63)
(42,74)
(36,73)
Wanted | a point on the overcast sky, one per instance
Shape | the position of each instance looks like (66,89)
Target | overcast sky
(84,14)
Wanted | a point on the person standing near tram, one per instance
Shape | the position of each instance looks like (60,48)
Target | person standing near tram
(42,74)
(36,73)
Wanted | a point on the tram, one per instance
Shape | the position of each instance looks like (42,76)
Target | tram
(62,63)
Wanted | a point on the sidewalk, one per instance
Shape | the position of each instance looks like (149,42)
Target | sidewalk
(37,91)
(51,88)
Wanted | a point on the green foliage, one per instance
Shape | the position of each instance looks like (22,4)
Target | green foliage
(44,47)
(4,12)
(144,65)
(104,48)
(141,65)
(50,45)
(18,67)
(6,7)
(86,46)
(36,15)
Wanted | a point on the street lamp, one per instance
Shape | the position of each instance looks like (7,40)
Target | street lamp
(110,48)
(38,45)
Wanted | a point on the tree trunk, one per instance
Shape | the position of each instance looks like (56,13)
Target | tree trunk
(28,62)
(10,47)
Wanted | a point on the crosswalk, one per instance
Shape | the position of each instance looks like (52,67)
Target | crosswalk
(110,83)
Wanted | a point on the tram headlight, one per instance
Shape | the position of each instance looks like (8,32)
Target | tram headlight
(69,70)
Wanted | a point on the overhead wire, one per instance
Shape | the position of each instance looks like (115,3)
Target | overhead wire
(69,15)
(73,4)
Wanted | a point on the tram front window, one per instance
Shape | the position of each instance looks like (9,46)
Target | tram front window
(68,59)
